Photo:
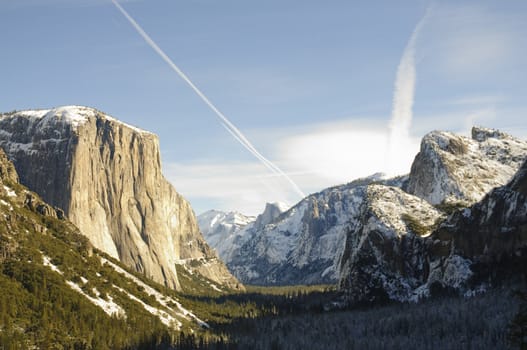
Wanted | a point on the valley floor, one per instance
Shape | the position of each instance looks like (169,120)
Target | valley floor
(451,322)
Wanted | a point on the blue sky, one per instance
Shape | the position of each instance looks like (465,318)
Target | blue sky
(309,83)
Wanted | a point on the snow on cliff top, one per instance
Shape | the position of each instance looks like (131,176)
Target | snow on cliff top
(452,168)
(71,115)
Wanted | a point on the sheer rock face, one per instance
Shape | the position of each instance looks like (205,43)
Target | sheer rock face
(401,248)
(106,176)
(383,257)
(13,195)
(455,169)
(303,245)
(490,236)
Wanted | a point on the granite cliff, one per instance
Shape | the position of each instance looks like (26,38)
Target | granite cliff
(385,239)
(478,234)
(456,170)
(106,177)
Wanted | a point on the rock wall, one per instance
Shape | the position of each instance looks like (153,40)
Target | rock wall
(452,169)
(107,178)
(383,259)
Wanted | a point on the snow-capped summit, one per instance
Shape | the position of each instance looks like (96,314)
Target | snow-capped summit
(62,117)
(222,230)
(302,245)
(227,232)
(270,213)
(453,169)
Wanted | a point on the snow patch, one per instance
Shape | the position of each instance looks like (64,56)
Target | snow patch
(108,306)
(160,298)
(9,191)
(3,202)
(46,261)
(215,287)
(163,316)
(75,116)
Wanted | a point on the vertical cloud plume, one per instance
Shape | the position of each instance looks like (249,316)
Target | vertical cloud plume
(403,100)
(231,128)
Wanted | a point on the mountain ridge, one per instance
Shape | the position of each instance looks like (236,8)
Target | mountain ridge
(305,244)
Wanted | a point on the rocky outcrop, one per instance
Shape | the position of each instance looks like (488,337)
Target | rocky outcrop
(490,238)
(8,172)
(271,212)
(18,204)
(452,169)
(106,177)
(473,248)
(383,258)
(303,245)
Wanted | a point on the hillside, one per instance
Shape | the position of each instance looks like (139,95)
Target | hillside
(56,288)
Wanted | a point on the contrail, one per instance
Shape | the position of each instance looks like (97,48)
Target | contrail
(403,97)
(231,128)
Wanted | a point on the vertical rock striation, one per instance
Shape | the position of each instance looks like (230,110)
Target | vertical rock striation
(453,169)
(107,178)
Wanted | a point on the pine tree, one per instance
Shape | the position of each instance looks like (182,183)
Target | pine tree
(518,327)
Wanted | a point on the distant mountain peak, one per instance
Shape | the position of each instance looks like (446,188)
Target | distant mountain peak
(270,213)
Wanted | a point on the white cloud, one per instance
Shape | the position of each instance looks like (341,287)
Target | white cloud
(320,156)
(403,101)
(343,151)
(228,186)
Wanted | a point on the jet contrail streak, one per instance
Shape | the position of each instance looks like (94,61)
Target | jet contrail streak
(403,97)
(233,130)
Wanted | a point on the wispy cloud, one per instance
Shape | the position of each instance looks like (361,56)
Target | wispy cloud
(403,100)
(342,151)
(316,157)
(240,186)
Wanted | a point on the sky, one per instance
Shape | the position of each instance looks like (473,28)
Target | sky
(326,91)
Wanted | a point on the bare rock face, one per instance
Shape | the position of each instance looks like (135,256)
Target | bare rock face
(451,169)
(303,245)
(106,176)
(489,238)
(383,258)
(14,197)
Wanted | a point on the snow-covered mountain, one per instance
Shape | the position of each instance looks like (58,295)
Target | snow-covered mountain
(383,256)
(303,245)
(227,232)
(370,235)
(452,169)
(489,238)
(463,252)
(222,230)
